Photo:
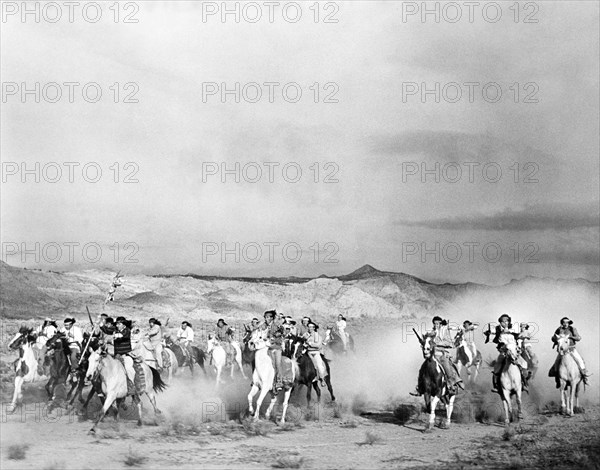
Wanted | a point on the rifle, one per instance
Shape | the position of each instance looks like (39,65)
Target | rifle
(418,336)
(89,315)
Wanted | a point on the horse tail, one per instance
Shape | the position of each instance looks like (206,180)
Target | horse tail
(157,382)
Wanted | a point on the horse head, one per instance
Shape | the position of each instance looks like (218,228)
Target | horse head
(94,363)
(24,336)
(256,343)
(564,344)
(212,342)
(428,347)
(511,351)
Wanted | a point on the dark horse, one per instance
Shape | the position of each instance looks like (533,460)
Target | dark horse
(198,356)
(434,385)
(57,359)
(57,364)
(334,341)
(247,351)
(294,347)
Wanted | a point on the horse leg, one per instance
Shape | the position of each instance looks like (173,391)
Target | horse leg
(253,391)
(563,393)
(571,399)
(138,401)
(17,395)
(271,406)
(309,392)
(507,406)
(261,397)
(449,408)
(286,399)
(432,407)
(87,401)
(110,398)
(519,409)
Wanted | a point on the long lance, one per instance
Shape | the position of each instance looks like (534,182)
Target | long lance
(89,339)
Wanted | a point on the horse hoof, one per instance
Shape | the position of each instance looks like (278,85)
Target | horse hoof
(139,423)
(92,432)
(444,426)
(427,431)
(158,412)
(11,409)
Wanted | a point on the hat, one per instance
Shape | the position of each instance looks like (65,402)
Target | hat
(567,319)
(289,320)
(255,320)
(436,318)
(69,320)
(221,320)
(186,323)
(503,316)
(467,323)
(121,320)
(109,320)
(314,324)
(152,320)
(270,313)
(47,319)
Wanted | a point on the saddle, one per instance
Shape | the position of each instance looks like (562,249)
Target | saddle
(137,387)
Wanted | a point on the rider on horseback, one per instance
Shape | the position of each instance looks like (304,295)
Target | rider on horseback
(566,328)
(224,335)
(466,334)
(44,332)
(273,332)
(185,338)
(155,338)
(122,343)
(341,328)
(74,337)
(440,336)
(314,344)
(502,336)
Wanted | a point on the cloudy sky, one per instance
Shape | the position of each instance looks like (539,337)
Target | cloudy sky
(467,185)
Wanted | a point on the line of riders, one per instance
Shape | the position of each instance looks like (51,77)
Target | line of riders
(122,339)
(504,334)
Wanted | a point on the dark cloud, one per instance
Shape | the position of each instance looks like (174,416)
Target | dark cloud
(533,217)
(453,146)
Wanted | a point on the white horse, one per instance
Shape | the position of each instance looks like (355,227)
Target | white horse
(263,377)
(467,356)
(510,381)
(570,376)
(113,376)
(26,367)
(219,356)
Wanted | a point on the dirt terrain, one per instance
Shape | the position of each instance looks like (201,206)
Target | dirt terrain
(201,427)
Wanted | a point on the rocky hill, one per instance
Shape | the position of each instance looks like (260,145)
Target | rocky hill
(364,293)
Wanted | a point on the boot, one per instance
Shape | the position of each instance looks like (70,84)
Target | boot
(416,392)
(495,385)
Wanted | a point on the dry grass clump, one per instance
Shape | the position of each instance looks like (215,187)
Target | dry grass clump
(17,451)
(288,461)
(370,439)
(134,459)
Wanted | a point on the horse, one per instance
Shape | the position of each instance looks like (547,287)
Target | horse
(219,357)
(26,367)
(146,352)
(333,340)
(263,377)
(307,373)
(197,355)
(433,384)
(467,356)
(57,359)
(509,382)
(113,376)
(247,351)
(569,375)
